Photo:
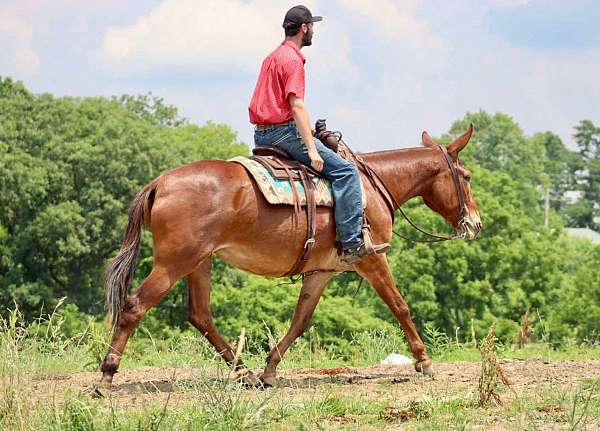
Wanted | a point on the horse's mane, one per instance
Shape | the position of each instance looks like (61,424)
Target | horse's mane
(401,158)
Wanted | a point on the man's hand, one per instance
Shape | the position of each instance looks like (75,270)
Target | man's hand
(316,162)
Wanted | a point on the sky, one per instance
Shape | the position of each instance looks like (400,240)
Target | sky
(380,71)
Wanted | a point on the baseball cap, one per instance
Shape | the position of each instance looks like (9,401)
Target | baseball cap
(299,15)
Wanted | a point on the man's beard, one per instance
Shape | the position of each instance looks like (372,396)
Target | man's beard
(307,38)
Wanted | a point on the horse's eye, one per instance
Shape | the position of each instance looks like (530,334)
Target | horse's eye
(468,178)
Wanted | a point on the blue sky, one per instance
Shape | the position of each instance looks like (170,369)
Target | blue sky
(381,71)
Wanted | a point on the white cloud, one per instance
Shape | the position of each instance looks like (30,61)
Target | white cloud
(509,3)
(328,59)
(13,25)
(27,60)
(188,33)
(396,20)
(16,38)
(380,72)
(541,89)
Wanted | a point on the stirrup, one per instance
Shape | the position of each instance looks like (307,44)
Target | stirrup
(371,248)
(350,257)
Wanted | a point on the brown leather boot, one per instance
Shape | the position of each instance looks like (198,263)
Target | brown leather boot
(353,255)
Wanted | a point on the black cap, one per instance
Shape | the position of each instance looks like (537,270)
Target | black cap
(299,15)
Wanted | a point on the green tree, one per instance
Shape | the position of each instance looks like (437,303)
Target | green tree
(69,168)
(586,212)
(559,168)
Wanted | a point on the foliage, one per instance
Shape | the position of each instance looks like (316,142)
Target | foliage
(69,168)
(586,212)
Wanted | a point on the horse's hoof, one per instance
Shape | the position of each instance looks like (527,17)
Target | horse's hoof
(268,381)
(250,380)
(101,390)
(425,367)
(246,378)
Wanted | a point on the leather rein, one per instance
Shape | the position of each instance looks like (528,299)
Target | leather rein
(374,177)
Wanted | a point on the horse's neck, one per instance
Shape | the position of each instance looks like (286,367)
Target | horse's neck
(406,172)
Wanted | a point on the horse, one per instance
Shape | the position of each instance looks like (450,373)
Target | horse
(214,207)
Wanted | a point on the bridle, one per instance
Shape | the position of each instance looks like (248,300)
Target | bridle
(393,204)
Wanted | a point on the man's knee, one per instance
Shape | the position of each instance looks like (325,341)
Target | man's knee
(351,169)
(341,170)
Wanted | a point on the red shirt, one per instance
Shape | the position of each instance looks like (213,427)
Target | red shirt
(281,74)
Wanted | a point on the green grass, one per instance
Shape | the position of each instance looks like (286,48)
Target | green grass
(230,407)
(215,404)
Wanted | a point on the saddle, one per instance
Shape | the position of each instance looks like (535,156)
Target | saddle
(281,166)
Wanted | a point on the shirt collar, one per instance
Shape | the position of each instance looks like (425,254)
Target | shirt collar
(288,42)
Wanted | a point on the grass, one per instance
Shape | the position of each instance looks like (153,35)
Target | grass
(31,352)
(231,407)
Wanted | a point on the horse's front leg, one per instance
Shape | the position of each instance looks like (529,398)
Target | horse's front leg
(376,270)
(312,289)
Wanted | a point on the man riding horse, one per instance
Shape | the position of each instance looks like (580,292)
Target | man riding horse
(281,118)
(214,208)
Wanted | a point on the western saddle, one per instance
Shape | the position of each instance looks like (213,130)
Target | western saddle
(281,166)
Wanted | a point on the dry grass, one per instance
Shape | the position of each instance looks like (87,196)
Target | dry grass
(492,374)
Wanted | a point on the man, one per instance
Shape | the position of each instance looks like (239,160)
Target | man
(278,111)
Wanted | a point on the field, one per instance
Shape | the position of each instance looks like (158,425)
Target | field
(47,382)
(543,395)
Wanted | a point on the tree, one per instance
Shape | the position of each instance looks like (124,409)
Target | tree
(69,168)
(586,212)
(499,145)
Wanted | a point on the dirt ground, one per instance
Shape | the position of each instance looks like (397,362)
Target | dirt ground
(152,383)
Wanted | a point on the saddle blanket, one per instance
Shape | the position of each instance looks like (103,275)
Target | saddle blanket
(279,191)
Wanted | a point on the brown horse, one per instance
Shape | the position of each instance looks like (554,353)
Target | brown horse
(214,207)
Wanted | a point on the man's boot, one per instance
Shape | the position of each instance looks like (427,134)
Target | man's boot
(353,255)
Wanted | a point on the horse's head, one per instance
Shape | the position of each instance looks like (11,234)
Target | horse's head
(443,194)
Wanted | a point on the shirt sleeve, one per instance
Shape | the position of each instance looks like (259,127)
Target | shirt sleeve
(293,77)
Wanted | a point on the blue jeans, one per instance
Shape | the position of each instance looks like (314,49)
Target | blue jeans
(342,174)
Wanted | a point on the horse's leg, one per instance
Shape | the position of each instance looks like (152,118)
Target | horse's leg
(376,270)
(152,290)
(200,316)
(311,291)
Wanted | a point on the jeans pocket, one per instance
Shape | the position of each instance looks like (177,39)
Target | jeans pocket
(281,139)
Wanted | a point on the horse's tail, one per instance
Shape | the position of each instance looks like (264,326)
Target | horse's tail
(119,272)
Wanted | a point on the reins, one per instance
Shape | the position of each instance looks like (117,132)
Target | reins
(393,204)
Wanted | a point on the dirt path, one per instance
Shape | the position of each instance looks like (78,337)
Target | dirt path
(149,383)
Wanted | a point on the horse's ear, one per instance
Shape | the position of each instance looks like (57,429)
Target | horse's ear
(428,140)
(461,142)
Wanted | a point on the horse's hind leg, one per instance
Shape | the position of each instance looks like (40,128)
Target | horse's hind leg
(200,316)
(152,290)
(312,289)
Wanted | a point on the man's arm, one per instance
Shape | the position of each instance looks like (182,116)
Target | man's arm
(302,121)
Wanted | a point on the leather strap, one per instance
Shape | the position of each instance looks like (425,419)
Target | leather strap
(261,127)
(388,197)
(459,189)
(304,173)
(311,223)
(296,197)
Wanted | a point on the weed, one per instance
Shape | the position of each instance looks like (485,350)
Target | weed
(436,340)
(579,408)
(491,372)
(524,331)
